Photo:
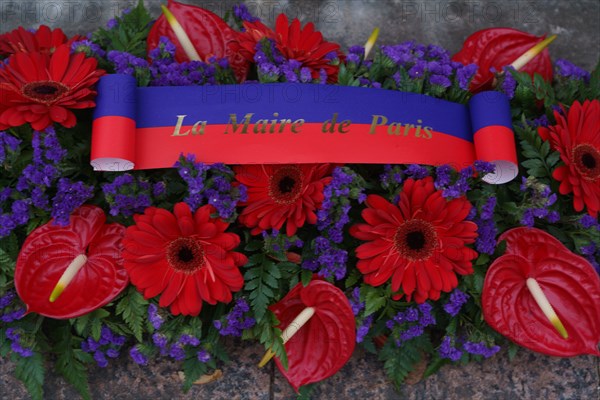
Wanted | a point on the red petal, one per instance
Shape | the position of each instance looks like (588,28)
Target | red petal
(326,342)
(49,250)
(569,282)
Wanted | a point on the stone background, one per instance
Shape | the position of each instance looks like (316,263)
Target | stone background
(447,23)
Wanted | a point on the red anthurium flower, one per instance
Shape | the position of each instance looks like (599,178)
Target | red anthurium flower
(420,243)
(497,48)
(305,45)
(186,257)
(325,343)
(568,281)
(43,40)
(279,194)
(43,88)
(51,249)
(577,137)
(210,35)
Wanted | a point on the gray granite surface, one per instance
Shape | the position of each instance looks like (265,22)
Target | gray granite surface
(447,23)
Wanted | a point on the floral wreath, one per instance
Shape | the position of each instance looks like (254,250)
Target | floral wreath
(413,262)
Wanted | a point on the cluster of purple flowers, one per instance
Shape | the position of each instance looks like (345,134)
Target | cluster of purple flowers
(508,84)
(486,227)
(109,345)
(279,243)
(540,198)
(88,47)
(329,259)
(114,22)
(36,179)
(210,184)
(165,71)
(272,66)
(457,299)
(449,348)
(411,323)
(16,346)
(10,312)
(355,303)
(592,253)
(241,12)
(445,176)
(69,196)
(568,70)
(362,330)
(128,64)
(7,143)
(177,350)
(393,176)
(137,356)
(420,62)
(128,195)
(154,317)
(236,321)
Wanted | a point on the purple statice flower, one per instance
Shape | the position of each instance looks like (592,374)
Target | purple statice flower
(461,186)
(480,349)
(112,353)
(486,227)
(210,184)
(203,356)
(355,303)
(128,64)
(12,316)
(592,253)
(538,200)
(7,299)
(112,23)
(568,70)
(236,321)
(188,340)
(537,122)
(7,143)
(440,80)
(128,195)
(161,342)
(416,171)
(484,167)
(508,84)
(70,196)
(447,349)
(87,47)
(154,317)
(17,348)
(464,75)
(177,352)
(242,13)
(137,356)
(411,323)
(456,301)
(363,329)
(588,222)
(391,177)
(443,176)
(12,334)
(100,359)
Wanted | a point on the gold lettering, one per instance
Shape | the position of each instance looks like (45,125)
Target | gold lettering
(428,132)
(261,123)
(407,128)
(394,128)
(234,124)
(297,125)
(378,120)
(199,127)
(345,124)
(177,131)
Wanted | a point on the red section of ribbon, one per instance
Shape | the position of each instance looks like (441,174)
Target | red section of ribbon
(114,138)
(495,142)
(157,148)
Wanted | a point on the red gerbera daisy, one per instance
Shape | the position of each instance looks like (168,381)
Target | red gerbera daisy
(420,243)
(43,40)
(279,194)
(294,42)
(577,139)
(41,88)
(186,257)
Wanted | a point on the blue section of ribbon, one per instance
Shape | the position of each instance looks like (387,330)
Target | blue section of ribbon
(160,106)
(490,108)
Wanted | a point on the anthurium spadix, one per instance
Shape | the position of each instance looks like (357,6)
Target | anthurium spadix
(68,271)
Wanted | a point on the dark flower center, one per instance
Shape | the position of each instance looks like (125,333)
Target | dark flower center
(285,186)
(185,254)
(586,159)
(46,92)
(416,240)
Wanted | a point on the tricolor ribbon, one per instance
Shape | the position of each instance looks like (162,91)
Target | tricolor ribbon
(144,128)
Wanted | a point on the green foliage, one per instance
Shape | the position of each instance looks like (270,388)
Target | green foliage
(90,324)
(375,298)
(266,332)
(133,309)
(71,360)
(130,33)
(192,370)
(9,250)
(400,361)
(262,283)
(538,159)
(30,371)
